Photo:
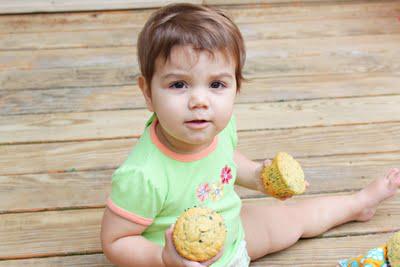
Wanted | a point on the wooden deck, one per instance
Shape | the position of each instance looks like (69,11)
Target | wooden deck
(325,86)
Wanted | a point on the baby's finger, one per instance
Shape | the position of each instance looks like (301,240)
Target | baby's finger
(396,176)
(395,171)
(170,230)
(192,264)
(392,171)
(168,235)
(307,183)
(215,258)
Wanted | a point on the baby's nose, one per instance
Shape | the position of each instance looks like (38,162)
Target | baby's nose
(199,99)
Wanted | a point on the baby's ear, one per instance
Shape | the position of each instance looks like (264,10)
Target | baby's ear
(146,92)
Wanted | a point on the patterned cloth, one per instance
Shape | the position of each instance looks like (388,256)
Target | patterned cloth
(376,257)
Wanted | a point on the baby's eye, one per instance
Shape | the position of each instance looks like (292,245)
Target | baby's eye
(217,85)
(178,85)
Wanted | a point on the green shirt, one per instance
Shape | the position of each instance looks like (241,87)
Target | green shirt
(155,185)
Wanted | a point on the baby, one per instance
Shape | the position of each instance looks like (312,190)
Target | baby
(191,59)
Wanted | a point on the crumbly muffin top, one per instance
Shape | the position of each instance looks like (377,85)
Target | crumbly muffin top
(199,234)
(291,171)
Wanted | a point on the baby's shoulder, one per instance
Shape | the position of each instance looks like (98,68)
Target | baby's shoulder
(141,177)
(140,165)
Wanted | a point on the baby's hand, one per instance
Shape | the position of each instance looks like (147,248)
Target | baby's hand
(171,258)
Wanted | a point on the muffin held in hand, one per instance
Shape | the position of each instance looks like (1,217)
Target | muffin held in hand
(284,177)
(393,248)
(199,234)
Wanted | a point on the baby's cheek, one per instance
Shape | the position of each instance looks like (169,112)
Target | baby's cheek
(220,126)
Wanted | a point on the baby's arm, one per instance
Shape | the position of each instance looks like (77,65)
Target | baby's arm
(248,172)
(124,246)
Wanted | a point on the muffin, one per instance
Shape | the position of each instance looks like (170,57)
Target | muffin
(284,177)
(393,247)
(199,234)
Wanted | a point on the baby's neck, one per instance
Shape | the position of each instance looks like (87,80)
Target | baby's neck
(177,146)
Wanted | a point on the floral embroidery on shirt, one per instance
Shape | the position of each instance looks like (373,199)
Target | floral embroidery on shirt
(214,191)
(226,175)
(217,191)
(202,191)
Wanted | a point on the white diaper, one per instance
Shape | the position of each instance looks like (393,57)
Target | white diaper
(241,259)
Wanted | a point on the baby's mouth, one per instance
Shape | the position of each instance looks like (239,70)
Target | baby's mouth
(197,121)
(197,124)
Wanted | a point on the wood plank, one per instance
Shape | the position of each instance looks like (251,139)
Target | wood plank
(266,2)
(254,116)
(324,252)
(338,56)
(68,58)
(79,21)
(319,11)
(50,233)
(51,191)
(251,32)
(321,141)
(283,49)
(57,233)
(334,27)
(107,154)
(55,157)
(256,90)
(88,21)
(274,58)
(72,39)
(36,6)
(64,78)
(93,260)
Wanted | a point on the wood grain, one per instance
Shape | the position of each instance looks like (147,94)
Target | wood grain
(92,260)
(323,86)
(53,190)
(255,116)
(272,89)
(324,252)
(273,58)
(241,14)
(56,233)
(106,154)
(263,30)
(352,47)
(34,6)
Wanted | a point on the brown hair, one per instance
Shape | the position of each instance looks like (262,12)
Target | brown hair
(202,27)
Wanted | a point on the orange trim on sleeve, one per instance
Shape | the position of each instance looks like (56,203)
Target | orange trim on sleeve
(128,215)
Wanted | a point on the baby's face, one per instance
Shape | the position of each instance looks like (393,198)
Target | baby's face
(193,95)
